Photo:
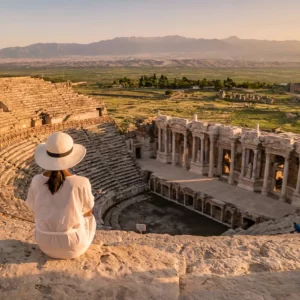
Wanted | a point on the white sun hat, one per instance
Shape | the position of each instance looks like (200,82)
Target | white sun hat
(59,153)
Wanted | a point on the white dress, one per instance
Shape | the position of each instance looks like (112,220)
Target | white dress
(61,230)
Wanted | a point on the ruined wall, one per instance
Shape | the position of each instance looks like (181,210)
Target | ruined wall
(252,159)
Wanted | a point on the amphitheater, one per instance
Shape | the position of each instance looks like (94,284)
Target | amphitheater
(247,180)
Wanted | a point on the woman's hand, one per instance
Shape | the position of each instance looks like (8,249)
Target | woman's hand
(89,213)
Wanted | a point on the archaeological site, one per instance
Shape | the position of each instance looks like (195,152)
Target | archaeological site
(218,203)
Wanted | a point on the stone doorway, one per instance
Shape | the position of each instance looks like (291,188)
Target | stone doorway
(189,200)
(278,174)
(226,162)
(138,153)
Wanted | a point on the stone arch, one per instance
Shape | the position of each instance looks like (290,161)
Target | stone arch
(216,212)
(228,217)
(165,190)
(207,208)
(152,184)
(174,194)
(198,204)
(189,200)
(181,197)
(158,187)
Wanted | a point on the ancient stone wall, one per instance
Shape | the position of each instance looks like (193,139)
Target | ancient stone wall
(252,159)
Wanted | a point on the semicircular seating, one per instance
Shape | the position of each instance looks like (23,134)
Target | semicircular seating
(107,164)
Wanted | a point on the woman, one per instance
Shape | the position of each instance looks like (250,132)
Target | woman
(61,202)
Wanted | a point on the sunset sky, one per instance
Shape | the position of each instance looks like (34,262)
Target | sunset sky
(24,22)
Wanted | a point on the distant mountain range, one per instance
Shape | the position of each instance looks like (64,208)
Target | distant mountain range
(232,48)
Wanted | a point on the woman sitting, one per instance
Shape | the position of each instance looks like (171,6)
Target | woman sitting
(62,203)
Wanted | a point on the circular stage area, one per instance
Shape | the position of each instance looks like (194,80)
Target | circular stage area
(163,216)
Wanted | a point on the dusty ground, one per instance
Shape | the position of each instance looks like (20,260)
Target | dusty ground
(162,216)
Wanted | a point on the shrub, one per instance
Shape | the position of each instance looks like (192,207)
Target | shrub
(169,92)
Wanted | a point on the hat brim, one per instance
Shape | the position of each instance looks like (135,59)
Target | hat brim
(62,163)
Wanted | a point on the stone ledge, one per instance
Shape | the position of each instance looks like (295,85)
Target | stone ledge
(126,265)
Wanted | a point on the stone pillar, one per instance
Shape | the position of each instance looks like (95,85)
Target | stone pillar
(173,148)
(170,140)
(297,190)
(194,149)
(159,139)
(220,160)
(266,175)
(285,177)
(202,151)
(184,151)
(254,171)
(243,162)
(258,164)
(211,157)
(202,205)
(232,158)
(206,150)
(247,157)
(166,141)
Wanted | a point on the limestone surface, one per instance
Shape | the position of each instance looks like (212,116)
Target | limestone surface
(127,265)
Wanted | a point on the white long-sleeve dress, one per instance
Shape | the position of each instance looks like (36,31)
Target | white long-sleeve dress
(61,230)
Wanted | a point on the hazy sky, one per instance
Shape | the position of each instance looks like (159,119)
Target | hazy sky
(24,22)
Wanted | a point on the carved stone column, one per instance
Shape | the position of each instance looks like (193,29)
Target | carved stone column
(166,141)
(297,190)
(159,139)
(258,169)
(211,157)
(232,158)
(184,151)
(220,160)
(173,148)
(202,151)
(243,162)
(266,175)
(254,171)
(285,177)
(206,150)
(194,149)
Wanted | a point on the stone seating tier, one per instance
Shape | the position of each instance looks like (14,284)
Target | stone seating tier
(107,164)
(26,96)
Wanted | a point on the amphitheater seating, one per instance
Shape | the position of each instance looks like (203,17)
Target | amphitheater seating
(107,164)
(25,97)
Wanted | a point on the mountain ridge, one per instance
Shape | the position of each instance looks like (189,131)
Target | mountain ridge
(231,47)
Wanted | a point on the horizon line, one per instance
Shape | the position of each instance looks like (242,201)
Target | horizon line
(149,37)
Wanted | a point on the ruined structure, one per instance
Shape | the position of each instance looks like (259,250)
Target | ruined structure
(246,97)
(266,165)
(294,87)
(252,159)
(30,102)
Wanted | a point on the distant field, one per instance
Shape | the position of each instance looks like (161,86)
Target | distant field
(127,106)
(105,75)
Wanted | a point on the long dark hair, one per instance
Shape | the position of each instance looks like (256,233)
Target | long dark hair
(55,181)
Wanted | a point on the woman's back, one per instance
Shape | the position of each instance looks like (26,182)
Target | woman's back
(61,202)
(64,209)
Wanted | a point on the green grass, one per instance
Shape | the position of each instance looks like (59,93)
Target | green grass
(126,106)
(106,75)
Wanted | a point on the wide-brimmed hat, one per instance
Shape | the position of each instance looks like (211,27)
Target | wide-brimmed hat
(59,153)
